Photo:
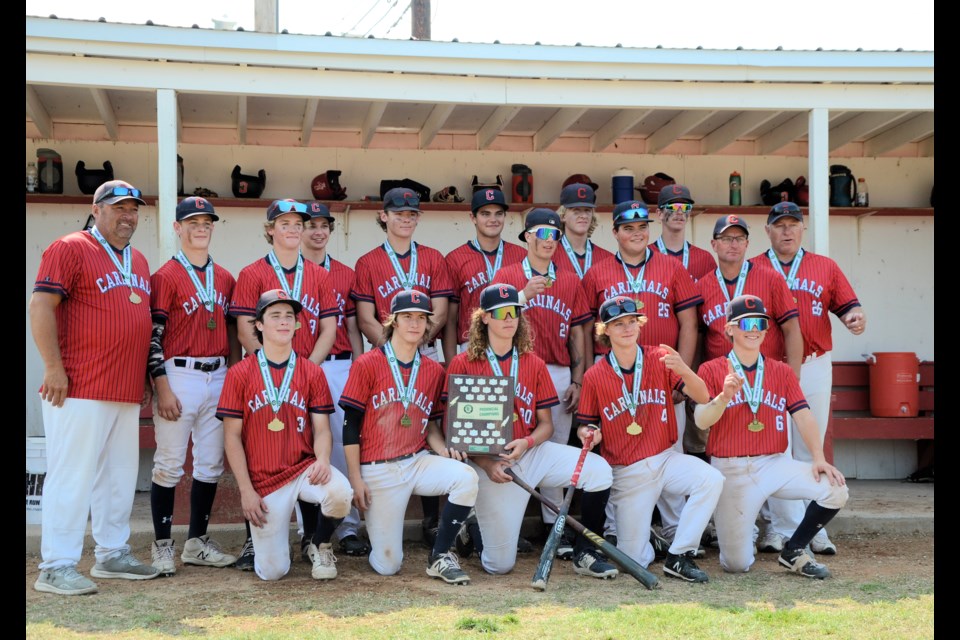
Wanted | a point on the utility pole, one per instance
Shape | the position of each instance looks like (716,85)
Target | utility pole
(265,16)
(421,19)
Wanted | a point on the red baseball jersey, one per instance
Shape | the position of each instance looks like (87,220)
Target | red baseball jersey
(602,402)
(819,286)
(666,289)
(699,262)
(175,303)
(377,282)
(316,296)
(370,388)
(551,313)
(104,338)
(534,387)
(562,261)
(342,277)
(729,436)
(467,266)
(274,458)
(763,283)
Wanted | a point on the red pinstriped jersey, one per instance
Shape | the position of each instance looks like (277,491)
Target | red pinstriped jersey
(562,261)
(700,263)
(729,436)
(104,338)
(316,296)
(342,277)
(551,313)
(819,287)
(377,282)
(175,303)
(370,388)
(763,283)
(666,290)
(467,266)
(534,388)
(274,458)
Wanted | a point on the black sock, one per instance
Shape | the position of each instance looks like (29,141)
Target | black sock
(161,506)
(815,519)
(592,516)
(310,514)
(431,508)
(324,528)
(247,523)
(201,504)
(452,517)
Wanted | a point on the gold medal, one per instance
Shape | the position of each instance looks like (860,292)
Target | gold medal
(634,429)
(211,323)
(297,326)
(134,298)
(406,421)
(516,418)
(276,425)
(755,426)
(639,304)
(549,283)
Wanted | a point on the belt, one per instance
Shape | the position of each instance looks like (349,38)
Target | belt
(338,356)
(815,355)
(190,363)
(397,459)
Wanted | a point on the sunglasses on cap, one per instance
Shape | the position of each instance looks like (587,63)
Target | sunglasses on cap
(403,201)
(286,206)
(546,233)
(639,214)
(677,207)
(121,191)
(752,324)
(626,306)
(502,313)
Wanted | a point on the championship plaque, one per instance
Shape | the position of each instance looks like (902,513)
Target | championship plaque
(480,414)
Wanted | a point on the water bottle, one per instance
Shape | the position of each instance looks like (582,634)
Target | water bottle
(32,177)
(863,199)
(735,189)
(622,185)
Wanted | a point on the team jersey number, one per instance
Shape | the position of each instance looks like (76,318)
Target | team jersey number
(313,326)
(817,308)
(780,423)
(563,330)
(301,425)
(663,416)
(663,310)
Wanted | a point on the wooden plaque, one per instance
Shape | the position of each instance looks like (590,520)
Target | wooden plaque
(479,417)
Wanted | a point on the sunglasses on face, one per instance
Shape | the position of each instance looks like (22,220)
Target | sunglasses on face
(627,306)
(642,215)
(286,206)
(121,191)
(545,233)
(403,201)
(728,240)
(752,324)
(677,207)
(502,313)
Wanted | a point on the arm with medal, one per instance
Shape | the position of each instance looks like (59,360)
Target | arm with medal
(706,415)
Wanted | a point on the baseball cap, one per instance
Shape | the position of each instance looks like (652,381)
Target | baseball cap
(288,205)
(578,194)
(582,178)
(783,209)
(499,295)
(113,191)
(539,217)
(275,296)
(412,300)
(317,209)
(630,211)
(618,307)
(401,199)
(674,193)
(195,206)
(746,306)
(487,196)
(725,222)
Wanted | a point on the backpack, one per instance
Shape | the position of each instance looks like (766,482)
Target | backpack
(843,186)
(771,195)
(803,192)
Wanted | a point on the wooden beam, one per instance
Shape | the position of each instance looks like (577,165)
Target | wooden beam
(925,148)
(107,114)
(616,127)
(242,119)
(913,129)
(859,127)
(370,122)
(434,123)
(783,135)
(496,123)
(37,113)
(882,428)
(265,16)
(555,127)
(730,132)
(309,119)
(681,124)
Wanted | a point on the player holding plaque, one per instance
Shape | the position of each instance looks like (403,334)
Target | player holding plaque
(501,344)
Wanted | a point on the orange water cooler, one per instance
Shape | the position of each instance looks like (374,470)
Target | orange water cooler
(894,384)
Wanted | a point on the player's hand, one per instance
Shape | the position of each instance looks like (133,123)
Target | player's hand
(731,384)
(672,360)
(571,398)
(54,388)
(833,474)
(535,286)
(168,405)
(319,473)
(496,472)
(584,432)
(514,450)
(856,322)
(361,494)
(147,398)
(450,452)
(254,509)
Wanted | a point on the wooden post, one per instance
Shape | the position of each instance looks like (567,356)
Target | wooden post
(421,19)
(265,16)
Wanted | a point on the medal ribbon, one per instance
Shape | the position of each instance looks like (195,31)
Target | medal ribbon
(741,280)
(528,270)
(491,271)
(587,261)
(205,293)
(124,268)
(495,364)
(404,391)
(632,399)
(791,278)
(635,285)
(274,396)
(754,393)
(686,251)
(326,261)
(410,278)
(294,292)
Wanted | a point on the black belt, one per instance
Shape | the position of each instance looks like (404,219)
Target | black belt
(338,356)
(397,459)
(206,367)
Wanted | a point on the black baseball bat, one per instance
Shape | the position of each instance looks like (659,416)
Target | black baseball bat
(627,563)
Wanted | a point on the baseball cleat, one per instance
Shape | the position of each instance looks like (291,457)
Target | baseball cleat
(798,561)
(565,548)
(126,567)
(64,581)
(324,562)
(592,563)
(771,542)
(524,545)
(161,554)
(245,561)
(446,566)
(205,552)
(682,566)
(464,541)
(660,545)
(823,546)
(352,545)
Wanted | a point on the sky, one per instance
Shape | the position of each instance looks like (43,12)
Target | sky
(873,25)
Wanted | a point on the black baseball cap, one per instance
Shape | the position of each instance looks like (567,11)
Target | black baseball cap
(401,199)
(484,197)
(288,205)
(113,191)
(317,209)
(674,193)
(618,307)
(746,306)
(539,217)
(725,222)
(578,194)
(412,300)
(275,296)
(783,209)
(195,206)
(499,295)
(631,211)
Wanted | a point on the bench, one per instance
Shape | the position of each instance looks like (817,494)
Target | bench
(850,417)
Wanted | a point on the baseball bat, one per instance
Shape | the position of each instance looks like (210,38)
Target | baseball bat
(627,563)
(542,574)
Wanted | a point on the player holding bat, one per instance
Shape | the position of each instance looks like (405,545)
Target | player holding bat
(628,393)
(501,344)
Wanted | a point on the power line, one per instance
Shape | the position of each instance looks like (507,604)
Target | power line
(372,7)
(409,4)
(385,14)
